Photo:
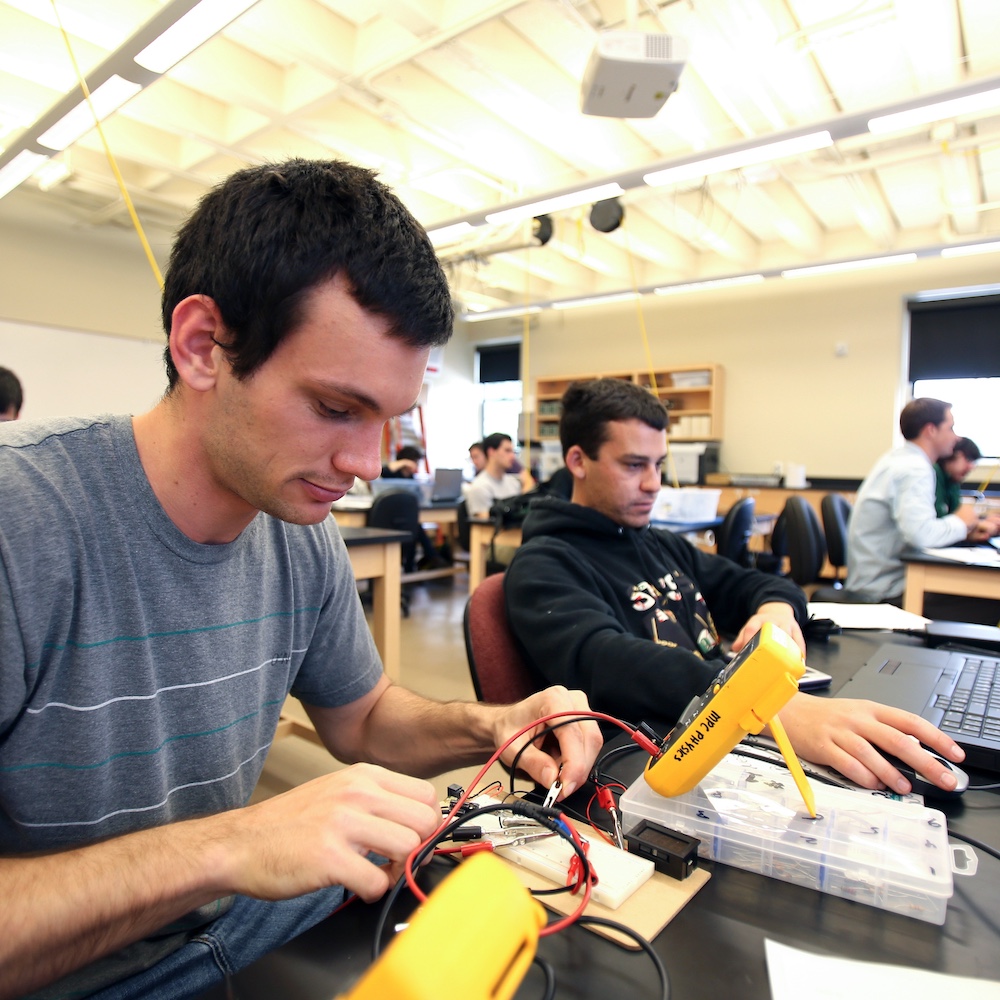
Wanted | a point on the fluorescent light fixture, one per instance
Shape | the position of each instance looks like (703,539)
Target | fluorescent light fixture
(49,174)
(697,286)
(740,158)
(186,34)
(108,97)
(501,313)
(849,265)
(969,249)
(19,170)
(555,203)
(593,300)
(936,112)
(447,233)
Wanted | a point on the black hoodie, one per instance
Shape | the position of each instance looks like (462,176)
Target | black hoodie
(585,596)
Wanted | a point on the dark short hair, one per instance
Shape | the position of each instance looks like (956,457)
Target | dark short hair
(493,441)
(920,412)
(479,445)
(409,451)
(11,393)
(263,239)
(588,407)
(966,447)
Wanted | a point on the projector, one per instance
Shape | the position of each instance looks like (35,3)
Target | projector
(631,74)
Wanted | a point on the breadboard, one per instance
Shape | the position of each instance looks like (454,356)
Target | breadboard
(619,874)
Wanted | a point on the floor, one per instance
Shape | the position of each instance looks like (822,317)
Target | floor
(434,664)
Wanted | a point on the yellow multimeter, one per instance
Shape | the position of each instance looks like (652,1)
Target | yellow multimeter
(474,937)
(744,697)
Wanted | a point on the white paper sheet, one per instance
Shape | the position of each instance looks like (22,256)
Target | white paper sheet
(973,555)
(795,974)
(867,616)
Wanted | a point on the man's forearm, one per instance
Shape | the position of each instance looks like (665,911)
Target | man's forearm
(406,732)
(63,911)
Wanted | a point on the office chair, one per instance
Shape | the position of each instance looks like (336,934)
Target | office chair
(836,512)
(400,511)
(732,540)
(807,554)
(499,673)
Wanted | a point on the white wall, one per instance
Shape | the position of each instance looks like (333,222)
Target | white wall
(70,372)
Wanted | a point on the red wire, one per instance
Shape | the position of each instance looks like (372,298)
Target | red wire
(588,888)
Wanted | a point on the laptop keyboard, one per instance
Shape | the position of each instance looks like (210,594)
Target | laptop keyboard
(974,707)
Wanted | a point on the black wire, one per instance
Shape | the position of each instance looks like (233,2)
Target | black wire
(541,735)
(549,818)
(550,977)
(661,970)
(972,842)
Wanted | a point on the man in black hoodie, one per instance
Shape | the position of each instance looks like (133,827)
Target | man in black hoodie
(593,583)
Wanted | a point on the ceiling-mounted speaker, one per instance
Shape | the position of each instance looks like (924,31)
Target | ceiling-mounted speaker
(631,74)
(606,216)
(541,229)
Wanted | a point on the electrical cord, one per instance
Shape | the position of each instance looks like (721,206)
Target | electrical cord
(661,970)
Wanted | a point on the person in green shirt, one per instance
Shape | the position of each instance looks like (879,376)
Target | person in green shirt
(950,473)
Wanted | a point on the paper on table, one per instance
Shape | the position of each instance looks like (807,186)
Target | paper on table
(871,616)
(974,555)
(794,974)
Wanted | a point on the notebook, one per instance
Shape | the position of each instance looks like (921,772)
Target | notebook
(958,692)
(447,485)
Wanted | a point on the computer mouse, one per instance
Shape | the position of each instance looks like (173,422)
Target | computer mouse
(921,785)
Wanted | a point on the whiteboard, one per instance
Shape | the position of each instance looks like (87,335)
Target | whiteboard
(70,372)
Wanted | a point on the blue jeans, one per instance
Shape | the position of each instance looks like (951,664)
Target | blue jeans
(250,929)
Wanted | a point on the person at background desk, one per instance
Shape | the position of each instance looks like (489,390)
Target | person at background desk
(11,395)
(496,481)
(191,578)
(405,464)
(600,600)
(895,506)
(477,456)
(950,473)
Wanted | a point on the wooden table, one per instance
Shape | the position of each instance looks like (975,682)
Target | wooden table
(932,574)
(355,513)
(376,556)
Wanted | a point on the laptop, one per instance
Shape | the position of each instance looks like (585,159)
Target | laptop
(959,692)
(447,486)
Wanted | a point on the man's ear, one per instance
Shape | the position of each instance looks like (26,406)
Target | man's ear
(195,329)
(575,462)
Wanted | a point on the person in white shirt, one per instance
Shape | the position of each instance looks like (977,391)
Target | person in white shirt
(496,481)
(895,511)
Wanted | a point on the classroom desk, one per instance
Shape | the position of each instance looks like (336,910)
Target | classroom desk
(715,946)
(375,556)
(353,514)
(931,574)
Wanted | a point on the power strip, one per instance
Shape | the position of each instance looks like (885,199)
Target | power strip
(619,873)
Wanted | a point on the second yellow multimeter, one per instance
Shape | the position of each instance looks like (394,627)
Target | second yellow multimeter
(743,698)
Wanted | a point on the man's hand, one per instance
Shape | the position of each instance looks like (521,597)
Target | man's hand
(777,613)
(319,833)
(984,529)
(578,744)
(404,465)
(845,733)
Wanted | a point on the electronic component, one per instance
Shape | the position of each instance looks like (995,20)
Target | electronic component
(743,698)
(673,853)
(482,900)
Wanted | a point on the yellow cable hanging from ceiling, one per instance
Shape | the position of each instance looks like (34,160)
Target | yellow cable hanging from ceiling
(671,466)
(107,150)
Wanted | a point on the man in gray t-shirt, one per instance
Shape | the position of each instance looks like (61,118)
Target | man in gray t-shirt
(167,579)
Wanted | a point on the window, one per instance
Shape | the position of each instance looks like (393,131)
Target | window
(498,373)
(955,356)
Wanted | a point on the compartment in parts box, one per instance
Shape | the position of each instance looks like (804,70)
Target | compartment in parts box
(863,846)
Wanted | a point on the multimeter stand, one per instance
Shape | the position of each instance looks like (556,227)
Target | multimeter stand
(745,696)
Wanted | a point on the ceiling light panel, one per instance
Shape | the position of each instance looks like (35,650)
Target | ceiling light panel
(108,97)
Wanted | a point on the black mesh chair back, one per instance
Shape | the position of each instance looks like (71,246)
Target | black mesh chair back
(462,524)
(732,540)
(806,543)
(836,512)
(399,510)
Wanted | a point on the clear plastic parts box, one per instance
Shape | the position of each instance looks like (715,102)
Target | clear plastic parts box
(884,852)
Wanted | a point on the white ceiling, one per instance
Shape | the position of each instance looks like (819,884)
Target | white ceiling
(466,105)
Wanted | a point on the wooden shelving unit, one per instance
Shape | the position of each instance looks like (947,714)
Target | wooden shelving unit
(691,393)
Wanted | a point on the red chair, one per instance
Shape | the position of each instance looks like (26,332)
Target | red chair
(499,673)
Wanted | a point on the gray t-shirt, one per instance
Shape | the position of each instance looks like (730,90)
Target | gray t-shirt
(143,673)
